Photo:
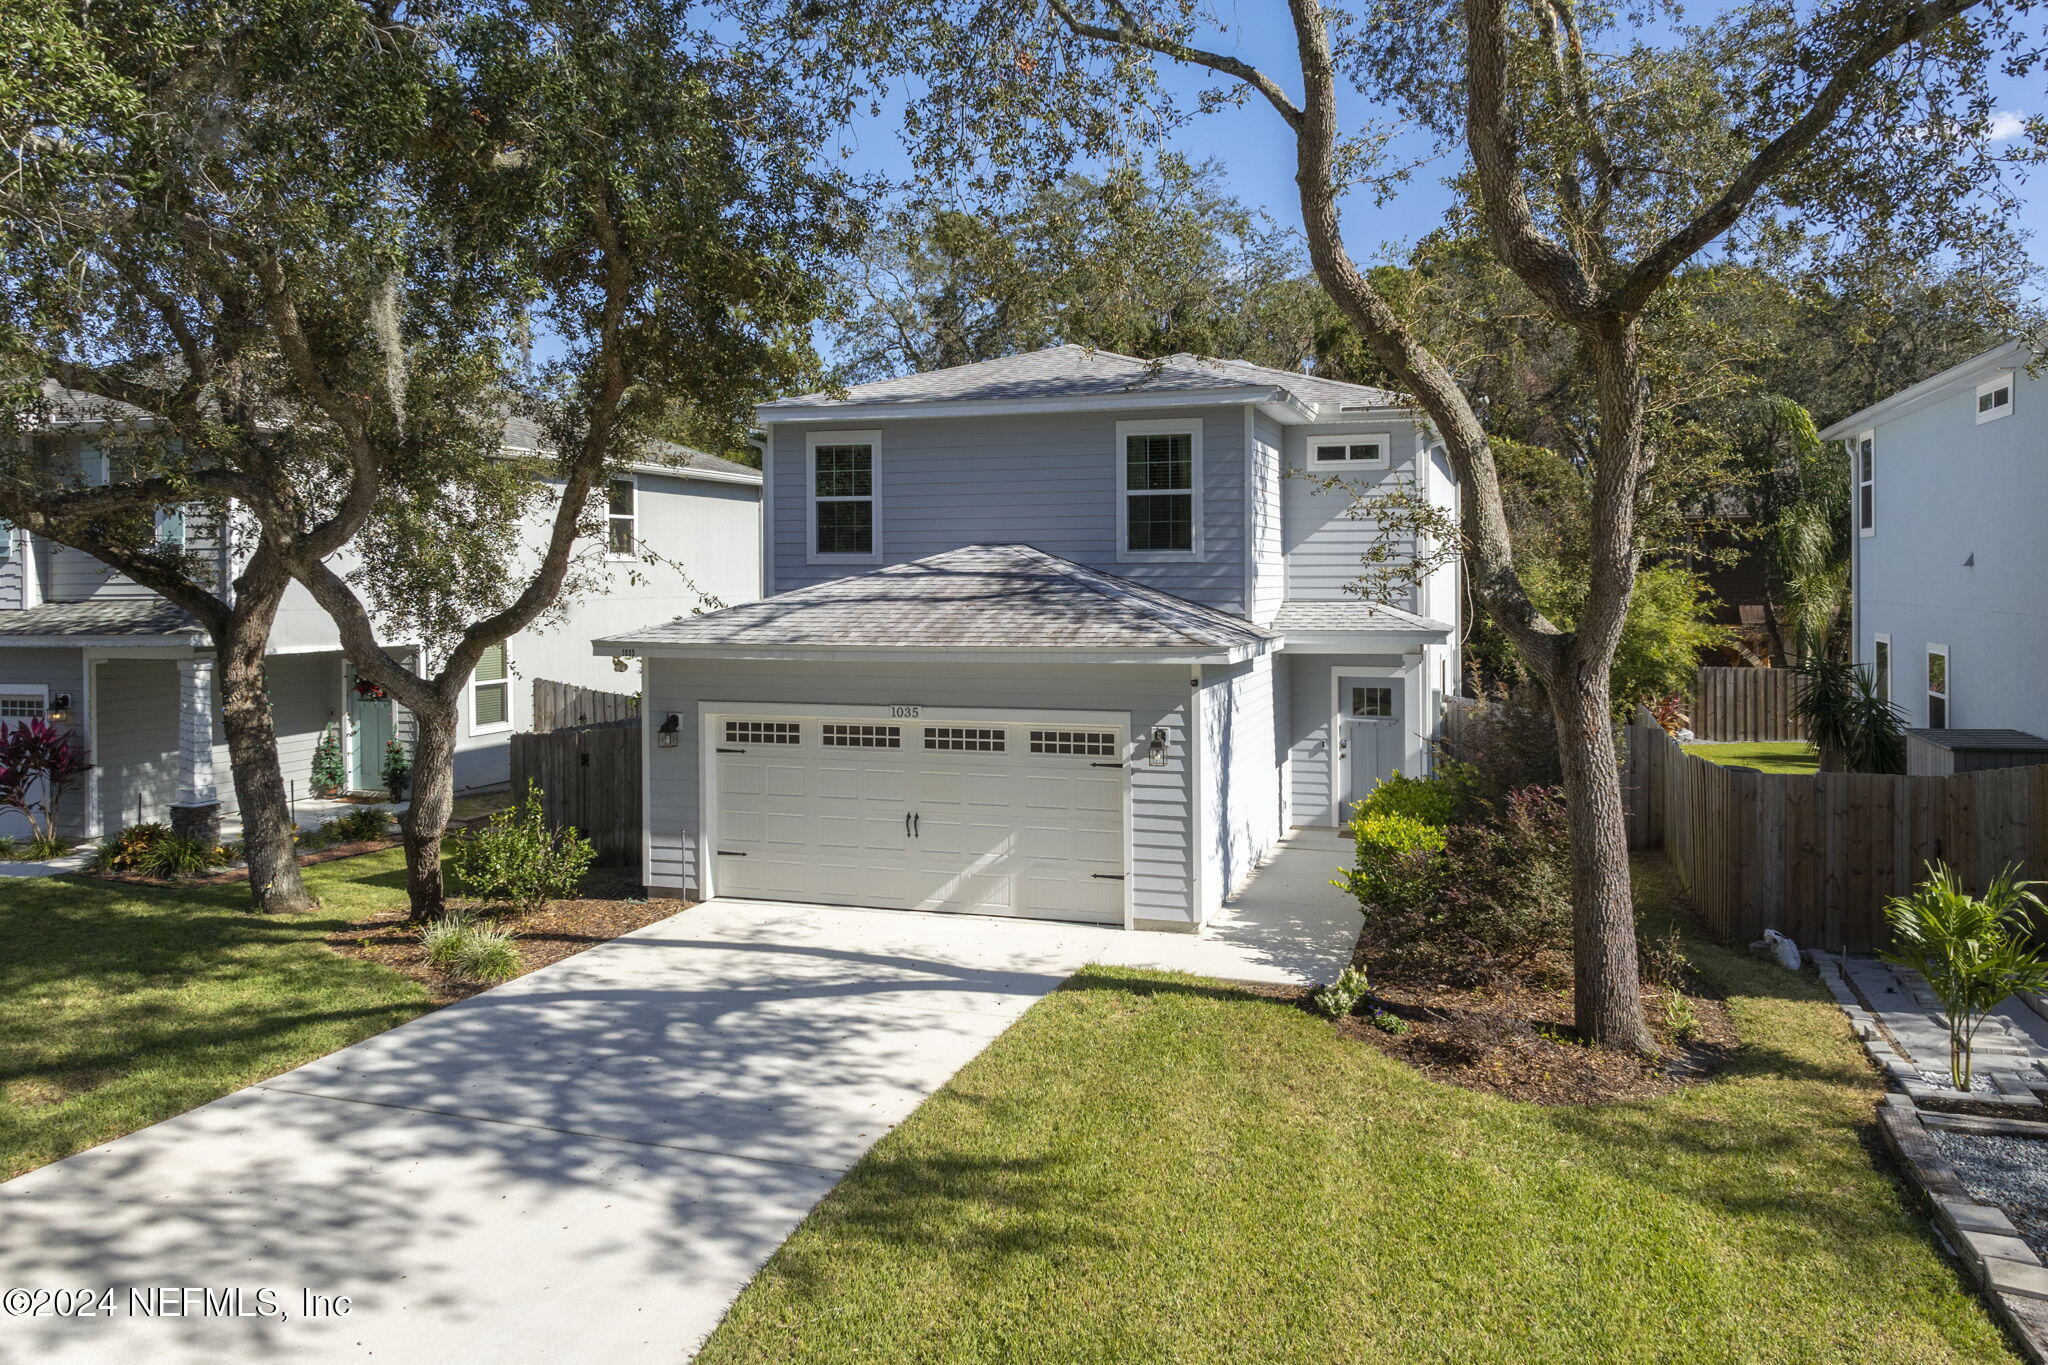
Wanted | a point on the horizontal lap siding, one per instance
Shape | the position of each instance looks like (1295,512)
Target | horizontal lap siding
(138,739)
(1324,547)
(1048,481)
(1305,678)
(1240,770)
(1269,547)
(1153,695)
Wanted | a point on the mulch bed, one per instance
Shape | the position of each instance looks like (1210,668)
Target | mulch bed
(1516,1038)
(241,874)
(557,930)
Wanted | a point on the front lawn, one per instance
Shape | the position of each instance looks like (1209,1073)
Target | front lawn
(1779,756)
(1151,1167)
(122,1005)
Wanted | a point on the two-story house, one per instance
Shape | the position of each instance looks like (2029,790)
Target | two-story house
(1065,635)
(134,675)
(1950,568)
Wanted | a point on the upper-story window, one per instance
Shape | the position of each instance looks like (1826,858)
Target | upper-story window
(843,500)
(170,526)
(1994,398)
(1866,484)
(1350,452)
(1159,499)
(622,511)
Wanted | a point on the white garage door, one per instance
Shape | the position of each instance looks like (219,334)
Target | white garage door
(1010,819)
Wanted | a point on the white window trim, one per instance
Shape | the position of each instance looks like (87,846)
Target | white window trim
(1948,689)
(1882,677)
(1316,444)
(1858,483)
(873,441)
(2002,380)
(610,516)
(1179,426)
(163,514)
(506,683)
(40,691)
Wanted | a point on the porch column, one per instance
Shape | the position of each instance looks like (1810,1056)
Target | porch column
(196,814)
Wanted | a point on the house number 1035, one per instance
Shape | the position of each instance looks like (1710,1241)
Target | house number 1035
(903,713)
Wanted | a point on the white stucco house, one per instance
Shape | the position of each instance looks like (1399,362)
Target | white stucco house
(1065,635)
(133,674)
(1950,567)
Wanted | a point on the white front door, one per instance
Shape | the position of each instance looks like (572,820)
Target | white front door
(992,819)
(1369,735)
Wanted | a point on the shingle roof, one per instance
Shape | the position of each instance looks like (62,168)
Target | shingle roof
(980,596)
(138,617)
(1079,372)
(1353,615)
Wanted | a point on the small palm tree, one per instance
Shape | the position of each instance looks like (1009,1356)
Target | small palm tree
(1827,704)
(1974,951)
(1878,741)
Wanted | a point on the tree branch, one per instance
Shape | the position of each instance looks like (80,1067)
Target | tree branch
(1649,273)
(1130,33)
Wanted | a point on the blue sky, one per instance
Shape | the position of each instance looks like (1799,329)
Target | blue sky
(1256,154)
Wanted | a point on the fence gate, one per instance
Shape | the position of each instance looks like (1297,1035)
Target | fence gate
(589,776)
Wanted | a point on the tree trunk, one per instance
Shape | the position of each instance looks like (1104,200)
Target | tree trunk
(1607,1000)
(433,801)
(275,885)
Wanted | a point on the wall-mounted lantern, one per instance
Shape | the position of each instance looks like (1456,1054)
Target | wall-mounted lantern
(1156,754)
(666,736)
(60,707)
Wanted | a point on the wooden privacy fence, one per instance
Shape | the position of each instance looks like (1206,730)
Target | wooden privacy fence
(589,776)
(1746,705)
(1817,856)
(558,705)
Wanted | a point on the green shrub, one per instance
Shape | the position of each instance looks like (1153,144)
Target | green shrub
(1388,1023)
(1341,996)
(464,949)
(1469,902)
(124,849)
(518,858)
(364,824)
(1432,800)
(1391,849)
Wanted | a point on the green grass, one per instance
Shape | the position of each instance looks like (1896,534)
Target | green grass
(123,1005)
(1151,1167)
(1783,756)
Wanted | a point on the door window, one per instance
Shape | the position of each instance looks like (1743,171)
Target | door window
(1372,702)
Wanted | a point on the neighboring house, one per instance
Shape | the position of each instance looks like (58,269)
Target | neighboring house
(134,675)
(1053,636)
(1947,482)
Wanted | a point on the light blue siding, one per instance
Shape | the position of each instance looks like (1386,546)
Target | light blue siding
(1240,771)
(1323,546)
(1949,491)
(1047,481)
(1305,678)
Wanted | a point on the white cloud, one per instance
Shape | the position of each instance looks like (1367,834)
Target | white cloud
(2006,125)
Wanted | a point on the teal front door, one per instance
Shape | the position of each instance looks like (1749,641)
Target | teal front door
(370,722)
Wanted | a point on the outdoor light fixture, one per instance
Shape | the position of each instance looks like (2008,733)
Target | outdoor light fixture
(665,737)
(1156,755)
(60,706)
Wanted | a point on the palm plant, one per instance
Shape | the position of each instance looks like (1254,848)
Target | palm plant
(1827,705)
(1974,950)
(1878,741)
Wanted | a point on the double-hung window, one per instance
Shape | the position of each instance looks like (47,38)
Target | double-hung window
(490,692)
(622,507)
(843,510)
(1866,484)
(1159,498)
(1937,687)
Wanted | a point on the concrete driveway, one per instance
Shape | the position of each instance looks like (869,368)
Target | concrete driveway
(587,1163)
